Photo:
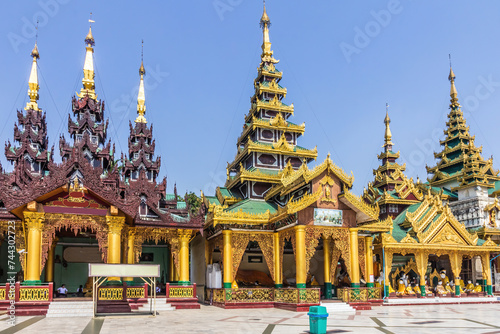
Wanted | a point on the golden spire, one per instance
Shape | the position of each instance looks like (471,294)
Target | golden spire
(388,135)
(265,23)
(88,67)
(33,82)
(141,97)
(453,89)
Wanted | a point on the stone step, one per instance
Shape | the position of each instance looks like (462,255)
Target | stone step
(70,309)
(335,308)
(161,305)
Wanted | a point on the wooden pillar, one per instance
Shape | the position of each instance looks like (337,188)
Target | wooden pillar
(387,270)
(421,260)
(300,256)
(49,265)
(456,268)
(115,226)
(326,268)
(34,225)
(130,250)
(184,238)
(278,272)
(353,242)
(228,259)
(370,279)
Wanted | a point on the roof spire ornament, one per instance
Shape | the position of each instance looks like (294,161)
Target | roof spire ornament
(265,23)
(388,135)
(88,67)
(33,85)
(141,97)
(453,90)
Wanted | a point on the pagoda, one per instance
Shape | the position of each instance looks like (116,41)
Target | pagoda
(88,130)
(461,172)
(268,142)
(31,156)
(275,205)
(460,164)
(391,190)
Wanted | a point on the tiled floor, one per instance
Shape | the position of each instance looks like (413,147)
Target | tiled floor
(470,319)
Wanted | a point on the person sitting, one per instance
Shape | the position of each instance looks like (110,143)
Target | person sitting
(478,288)
(79,292)
(469,287)
(62,291)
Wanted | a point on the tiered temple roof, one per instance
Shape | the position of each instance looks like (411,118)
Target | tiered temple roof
(460,163)
(30,154)
(88,162)
(391,190)
(268,142)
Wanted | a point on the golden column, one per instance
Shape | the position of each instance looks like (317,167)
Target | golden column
(130,251)
(353,242)
(49,265)
(184,238)
(300,256)
(326,268)
(173,275)
(278,280)
(370,280)
(34,224)
(228,259)
(487,272)
(115,226)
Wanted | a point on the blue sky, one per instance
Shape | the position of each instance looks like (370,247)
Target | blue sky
(342,61)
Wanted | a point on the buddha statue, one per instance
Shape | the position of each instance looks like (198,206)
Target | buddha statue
(448,288)
(416,289)
(469,287)
(444,278)
(440,289)
(427,289)
(409,291)
(462,284)
(401,288)
(478,288)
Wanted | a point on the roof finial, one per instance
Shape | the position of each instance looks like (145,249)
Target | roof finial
(265,23)
(88,67)
(388,135)
(33,80)
(141,97)
(453,90)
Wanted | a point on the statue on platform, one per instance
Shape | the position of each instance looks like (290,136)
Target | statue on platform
(416,289)
(427,289)
(469,287)
(379,282)
(444,278)
(401,288)
(478,288)
(440,289)
(462,284)
(449,288)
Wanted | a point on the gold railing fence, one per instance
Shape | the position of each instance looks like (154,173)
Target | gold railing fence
(245,295)
(135,292)
(354,295)
(110,293)
(34,294)
(181,292)
(264,295)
